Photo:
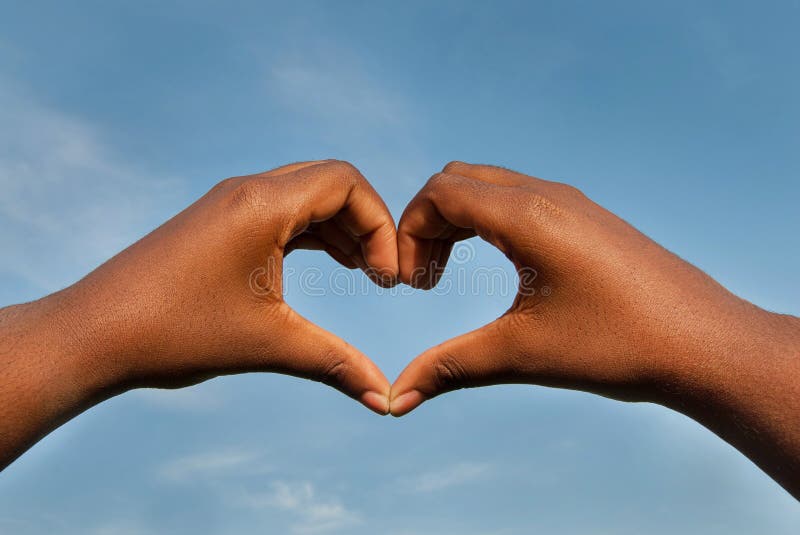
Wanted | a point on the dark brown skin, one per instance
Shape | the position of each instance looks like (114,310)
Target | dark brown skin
(197,298)
(609,312)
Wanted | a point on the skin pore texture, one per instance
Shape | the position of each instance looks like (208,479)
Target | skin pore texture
(601,308)
(199,297)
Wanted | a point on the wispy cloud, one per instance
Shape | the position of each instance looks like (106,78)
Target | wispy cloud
(68,200)
(336,89)
(335,98)
(212,464)
(225,472)
(312,514)
(451,476)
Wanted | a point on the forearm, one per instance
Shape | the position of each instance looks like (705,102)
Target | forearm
(47,374)
(746,389)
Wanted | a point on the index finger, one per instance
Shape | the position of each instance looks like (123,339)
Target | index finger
(337,189)
(447,209)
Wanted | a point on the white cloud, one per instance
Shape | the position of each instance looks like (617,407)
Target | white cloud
(223,471)
(212,465)
(455,475)
(312,514)
(67,201)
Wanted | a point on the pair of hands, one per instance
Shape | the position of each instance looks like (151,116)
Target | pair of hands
(624,318)
(178,307)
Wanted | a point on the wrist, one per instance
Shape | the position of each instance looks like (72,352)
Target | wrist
(57,351)
(747,391)
(48,375)
(742,363)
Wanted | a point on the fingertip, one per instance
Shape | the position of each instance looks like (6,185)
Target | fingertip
(405,247)
(377,403)
(415,262)
(406,402)
(385,281)
(381,255)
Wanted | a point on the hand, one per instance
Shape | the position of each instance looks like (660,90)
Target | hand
(199,297)
(202,295)
(623,317)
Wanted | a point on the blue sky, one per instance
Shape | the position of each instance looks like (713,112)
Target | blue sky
(682,117)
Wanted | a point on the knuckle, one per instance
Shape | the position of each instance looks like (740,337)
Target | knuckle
(334,370)
(225,185)
(454,167)
(449,374)
(327,161)
(343,171)
(567,190)
(541,204)
(250,200)
(247,193)
(438,183)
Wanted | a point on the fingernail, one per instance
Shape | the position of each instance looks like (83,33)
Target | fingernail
(376,402)
(405,403)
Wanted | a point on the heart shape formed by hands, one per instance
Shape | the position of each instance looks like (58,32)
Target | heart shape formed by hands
(555,333)
(226,313)
(201,296)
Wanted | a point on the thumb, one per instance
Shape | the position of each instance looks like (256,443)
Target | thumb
(477,358)
(311,352)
